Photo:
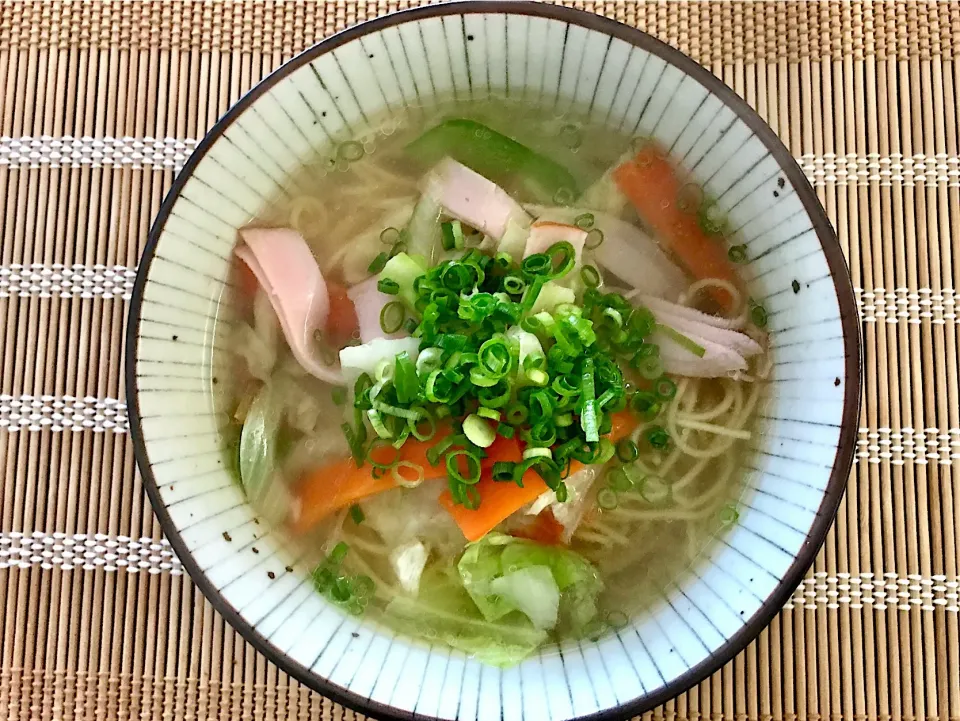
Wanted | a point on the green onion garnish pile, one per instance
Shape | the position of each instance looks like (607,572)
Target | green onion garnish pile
(500,358)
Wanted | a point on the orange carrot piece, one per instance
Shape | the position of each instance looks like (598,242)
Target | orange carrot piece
(331,487)
(342,321)
(499,499)
(650,182)
(545,529)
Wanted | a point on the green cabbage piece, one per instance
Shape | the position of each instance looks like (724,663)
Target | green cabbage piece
(444,612)
(498,555)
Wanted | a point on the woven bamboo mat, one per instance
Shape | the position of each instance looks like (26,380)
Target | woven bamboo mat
(100,104)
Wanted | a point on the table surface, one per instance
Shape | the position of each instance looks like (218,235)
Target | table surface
(100,103)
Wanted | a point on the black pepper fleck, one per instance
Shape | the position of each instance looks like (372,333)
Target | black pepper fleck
(781,182)
(255,549)
(257,521)
(226,537)
(776,194)
(175,337)
(796,286)
(469,37)
(355,634)
(370,55)
(288,569)
(271,575)
(215,380)
(323,114)
(836,382)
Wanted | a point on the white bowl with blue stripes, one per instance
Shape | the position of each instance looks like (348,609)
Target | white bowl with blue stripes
(635,83)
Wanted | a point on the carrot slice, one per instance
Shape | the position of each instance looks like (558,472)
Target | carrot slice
(331,487)
(545,529)
(342,321)
(650,182)
(499,499)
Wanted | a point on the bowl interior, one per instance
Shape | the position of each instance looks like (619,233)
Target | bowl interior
(634,83)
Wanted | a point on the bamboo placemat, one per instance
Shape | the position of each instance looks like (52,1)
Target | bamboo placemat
(100,104)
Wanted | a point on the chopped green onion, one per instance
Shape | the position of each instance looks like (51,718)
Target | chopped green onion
(504,471)
(537,452)
(356,514)
(350,150)
(434,452)
(478,431)
(516,414)
(378,425)
(405,480)
(472,473)
(657,437)
(737,254)
(711,220)
(607,499)
(619,480)
(514,285)
(405,379)
(645,405)
(388,286)
(389,236)
(562,257)
(451,235)
(590,276)
(415,426)
(682,340)
(504,430)
(594,239)
(339,396)
(484,412)
(584,221)
(665,389)
(729,515)
(758,314)
(627,450)
(588,417)
(382,464)
(338,553)
(378,263)
(392,316)
(538,264)
(537,377)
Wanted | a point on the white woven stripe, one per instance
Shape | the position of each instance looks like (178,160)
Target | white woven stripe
(62,413)
(920,446)
(66,281)
(906,305)
(87,552)
(171,153)
(102,415)
(900,305)
(86,151)
(880,591)
(114,553)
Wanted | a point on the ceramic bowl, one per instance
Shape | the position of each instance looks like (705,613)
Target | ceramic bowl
(633,82)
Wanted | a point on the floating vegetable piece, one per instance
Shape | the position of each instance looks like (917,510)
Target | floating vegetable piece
(651,183)
(288,273)
(258,443)
(473,199)
(493,155)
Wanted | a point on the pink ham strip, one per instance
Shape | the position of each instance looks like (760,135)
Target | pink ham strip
(545,233)
(472,199)
(286,270)
(369,302)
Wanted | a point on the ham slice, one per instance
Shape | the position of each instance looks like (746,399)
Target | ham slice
(472,199)
(726,350)
(544,233)
(368,303)
(626,251)
(286,270)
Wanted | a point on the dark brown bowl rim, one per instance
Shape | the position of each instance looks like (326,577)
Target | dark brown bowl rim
(831,249)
